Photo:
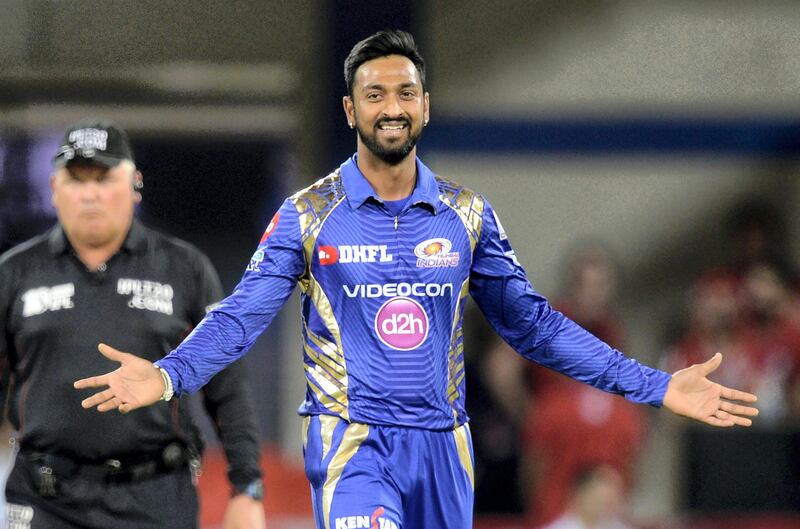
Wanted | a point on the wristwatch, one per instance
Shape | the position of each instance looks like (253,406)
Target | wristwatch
(254,489)
(168,389)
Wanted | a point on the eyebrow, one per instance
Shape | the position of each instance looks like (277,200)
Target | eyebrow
(378,86)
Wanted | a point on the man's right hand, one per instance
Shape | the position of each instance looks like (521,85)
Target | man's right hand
(135,384)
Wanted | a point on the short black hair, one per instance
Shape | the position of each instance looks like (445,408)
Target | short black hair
(382,44)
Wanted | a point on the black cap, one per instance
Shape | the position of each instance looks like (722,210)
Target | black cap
(92,141)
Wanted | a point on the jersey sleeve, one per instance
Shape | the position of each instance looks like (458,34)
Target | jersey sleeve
(229,330)
(227,398)
(527,322)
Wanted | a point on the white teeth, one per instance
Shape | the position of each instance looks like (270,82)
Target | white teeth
(391,127)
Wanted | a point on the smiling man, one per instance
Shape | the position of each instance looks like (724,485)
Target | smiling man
(387,442)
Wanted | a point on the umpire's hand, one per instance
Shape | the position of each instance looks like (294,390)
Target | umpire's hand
(137,383)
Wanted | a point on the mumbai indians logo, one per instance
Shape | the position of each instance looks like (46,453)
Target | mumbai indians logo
(376,521)
(435,253)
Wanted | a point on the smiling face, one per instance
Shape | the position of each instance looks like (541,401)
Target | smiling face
(388,108)
(95,204)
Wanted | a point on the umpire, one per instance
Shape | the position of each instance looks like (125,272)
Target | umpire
(98,271)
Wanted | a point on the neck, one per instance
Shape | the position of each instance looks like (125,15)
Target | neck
(93,255)
(390,182)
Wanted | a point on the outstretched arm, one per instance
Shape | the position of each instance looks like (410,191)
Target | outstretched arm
(135,384)
(690,393)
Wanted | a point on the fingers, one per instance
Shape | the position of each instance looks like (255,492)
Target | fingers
(735,394)
(92,382)
(711,365)
(716,421)
(111,353)
(738,409)
(98,399)
(111,404)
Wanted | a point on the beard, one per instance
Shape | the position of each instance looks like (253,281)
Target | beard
(390,154)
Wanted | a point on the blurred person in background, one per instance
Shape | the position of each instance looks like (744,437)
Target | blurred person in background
(597,500)
(567,426)
(755,318)
(771,325)
(100,274)
(385,253)
(757,233)
(496,387)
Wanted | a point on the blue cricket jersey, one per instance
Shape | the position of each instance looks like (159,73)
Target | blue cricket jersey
(382,304)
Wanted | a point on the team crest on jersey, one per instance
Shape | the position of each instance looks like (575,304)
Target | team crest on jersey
(271,227)
(147,295)
(47,299)
(435,253)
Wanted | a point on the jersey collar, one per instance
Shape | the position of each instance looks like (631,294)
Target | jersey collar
(135,241)
(359,190)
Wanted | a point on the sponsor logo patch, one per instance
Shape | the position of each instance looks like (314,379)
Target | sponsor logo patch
(377,290)
(435,253)
(255,261)
(147,295)
(401,323)
(364,253)
(47,299)
(271,227)
(19,516)
(378,520)
(89,139)
(328,255)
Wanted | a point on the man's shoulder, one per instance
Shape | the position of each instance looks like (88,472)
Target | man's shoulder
(314,203)
(163,242)
(454,191)
(27,251)
(326,189)
(468,204)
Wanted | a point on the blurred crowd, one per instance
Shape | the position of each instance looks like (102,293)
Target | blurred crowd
(567,457)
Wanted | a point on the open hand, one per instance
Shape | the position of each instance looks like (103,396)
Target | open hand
(136,383)
(691,394)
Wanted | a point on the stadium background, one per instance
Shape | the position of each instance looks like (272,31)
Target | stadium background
(637,123)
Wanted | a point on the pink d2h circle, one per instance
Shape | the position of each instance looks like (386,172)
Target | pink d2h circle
(401,323)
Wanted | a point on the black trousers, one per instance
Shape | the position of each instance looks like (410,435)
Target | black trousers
(162,501)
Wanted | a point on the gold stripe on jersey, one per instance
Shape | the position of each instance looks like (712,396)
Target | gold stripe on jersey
(469,207)
(304,430)
(327,424)
(327,379)
(467,204)
(351,440)
(462,435)
(455,357)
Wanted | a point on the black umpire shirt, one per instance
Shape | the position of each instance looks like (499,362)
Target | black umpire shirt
(144,300)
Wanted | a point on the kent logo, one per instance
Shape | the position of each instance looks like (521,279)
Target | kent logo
(376,521)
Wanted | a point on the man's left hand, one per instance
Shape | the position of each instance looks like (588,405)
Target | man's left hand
(691,394)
